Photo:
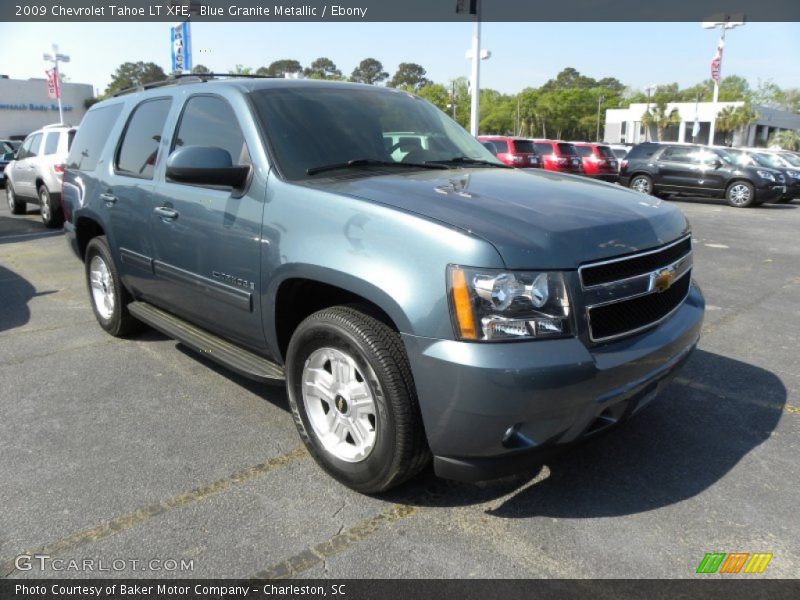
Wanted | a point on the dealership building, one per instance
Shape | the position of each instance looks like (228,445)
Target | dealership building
(624,125)
(25,107)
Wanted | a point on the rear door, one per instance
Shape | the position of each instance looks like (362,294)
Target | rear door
(128,198)
(208,240)
(678,169)
(24,168)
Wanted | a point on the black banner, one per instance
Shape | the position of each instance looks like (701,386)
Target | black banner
(397,10)
(383,589)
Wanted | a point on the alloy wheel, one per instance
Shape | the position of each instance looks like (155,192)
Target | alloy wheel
(102,287)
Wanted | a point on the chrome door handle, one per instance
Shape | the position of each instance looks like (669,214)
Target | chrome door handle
(166,213)
(109,199)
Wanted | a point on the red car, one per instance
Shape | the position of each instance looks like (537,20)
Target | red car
(558,156)
(599,161)
(513,151)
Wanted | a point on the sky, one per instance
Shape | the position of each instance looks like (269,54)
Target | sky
(523,54)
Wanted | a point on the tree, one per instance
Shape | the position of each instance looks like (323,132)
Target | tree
(200,69)
(569,78)
(369,71)
(436,94)
(699,92)
(787,139)
(242,70)
(733,89)
(131,74)
(280,68)
(731,119)
(661,118)
(323,68)
(410,75)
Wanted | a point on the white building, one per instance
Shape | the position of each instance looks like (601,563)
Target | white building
(624,125)
(25,107)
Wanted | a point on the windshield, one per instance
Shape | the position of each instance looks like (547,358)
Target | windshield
(311,127)
(792,159)
(770,160)
(728,157)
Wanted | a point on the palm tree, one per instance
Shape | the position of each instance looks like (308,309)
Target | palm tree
(661,118)
(787,139)
(731,119)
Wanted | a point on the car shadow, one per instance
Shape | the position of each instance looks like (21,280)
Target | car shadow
(713,414)
(15,293)
(16,229)
(723,202)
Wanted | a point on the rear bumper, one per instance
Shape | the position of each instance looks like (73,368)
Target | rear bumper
(494,409)
(72,238)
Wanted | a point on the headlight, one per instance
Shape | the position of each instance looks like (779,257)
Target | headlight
(766,175)
(493,305)
(793,174)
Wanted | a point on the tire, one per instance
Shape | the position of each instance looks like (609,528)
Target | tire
(376,443)
(52,216)
(642,183)
(108,296)
(741,194)
(15,205)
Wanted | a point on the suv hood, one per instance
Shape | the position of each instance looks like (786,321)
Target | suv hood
(536,219)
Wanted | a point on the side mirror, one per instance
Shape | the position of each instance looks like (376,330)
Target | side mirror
(203,165)
(716,163)
(490,147)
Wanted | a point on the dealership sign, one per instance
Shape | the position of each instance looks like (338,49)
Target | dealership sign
(180,37)
(32,106)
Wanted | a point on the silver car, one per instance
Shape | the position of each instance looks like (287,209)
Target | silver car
(36,172)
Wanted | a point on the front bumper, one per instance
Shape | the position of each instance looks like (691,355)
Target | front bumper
(770,193)
(493,409)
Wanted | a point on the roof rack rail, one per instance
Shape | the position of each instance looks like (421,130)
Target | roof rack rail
(184,78)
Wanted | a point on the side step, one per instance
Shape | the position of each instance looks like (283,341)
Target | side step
(237,359)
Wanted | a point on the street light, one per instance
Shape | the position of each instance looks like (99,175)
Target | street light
(600,100)
(723,23)
(55,57)
(475,53)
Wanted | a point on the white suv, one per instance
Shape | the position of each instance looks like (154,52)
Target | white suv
(35,174)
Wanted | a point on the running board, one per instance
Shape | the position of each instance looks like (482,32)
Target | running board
(235,358)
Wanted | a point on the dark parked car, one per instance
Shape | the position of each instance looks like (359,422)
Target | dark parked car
(437,306)
(559,156)
(665,169)
(598,161)
(764,158)
(513,151)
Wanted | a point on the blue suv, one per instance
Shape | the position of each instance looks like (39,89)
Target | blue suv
(419,299)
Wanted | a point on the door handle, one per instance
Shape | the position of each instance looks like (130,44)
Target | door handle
(166,213)
(109,199)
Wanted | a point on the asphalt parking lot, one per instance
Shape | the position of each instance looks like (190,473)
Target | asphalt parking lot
(140,450)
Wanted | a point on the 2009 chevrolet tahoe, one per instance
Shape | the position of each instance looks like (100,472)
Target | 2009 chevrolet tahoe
(419,299)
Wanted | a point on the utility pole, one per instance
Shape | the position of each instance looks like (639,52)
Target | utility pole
(55,57)
(473,7)
(600,100)
(649,88)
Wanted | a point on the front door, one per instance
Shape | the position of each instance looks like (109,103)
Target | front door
(207,238)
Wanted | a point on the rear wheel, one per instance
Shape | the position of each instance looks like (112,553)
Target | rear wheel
(50,210)
(642,183)
(741,194)
(353,399)
(15,205)
(108,296)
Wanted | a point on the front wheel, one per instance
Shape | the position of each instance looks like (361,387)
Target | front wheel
(15,205)
(353,399)
(741,194)
(108,296)
(50,210)
(642,183)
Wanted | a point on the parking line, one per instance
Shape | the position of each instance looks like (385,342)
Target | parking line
(702,387)
(342,541)
(130,520)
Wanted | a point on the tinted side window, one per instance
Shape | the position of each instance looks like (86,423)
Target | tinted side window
(210,121)
(501,145)
(51,143)
(139,148)
(682,155)
(36,143)
(643,151)
(91,137)
(24,150)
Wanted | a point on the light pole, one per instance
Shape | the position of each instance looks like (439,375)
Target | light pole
(648,89)
(724,23)
(473,7)
(55,57)
(600,100)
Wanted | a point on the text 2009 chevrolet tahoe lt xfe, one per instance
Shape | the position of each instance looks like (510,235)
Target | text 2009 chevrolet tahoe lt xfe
(418,298)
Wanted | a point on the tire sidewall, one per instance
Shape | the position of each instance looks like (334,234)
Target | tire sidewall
(99,247)
(646,178)
(751,202)
(309,337)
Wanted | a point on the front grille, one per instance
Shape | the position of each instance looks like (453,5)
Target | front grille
(627,316)
(624,268)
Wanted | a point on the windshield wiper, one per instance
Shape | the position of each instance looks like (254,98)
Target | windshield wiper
(367,162)
(468,160)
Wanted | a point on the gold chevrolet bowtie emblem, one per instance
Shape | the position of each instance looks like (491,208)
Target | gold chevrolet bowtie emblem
(663,280)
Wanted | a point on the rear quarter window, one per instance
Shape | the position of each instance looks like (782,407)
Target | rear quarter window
(51,143)
(642,151)
(90,138)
